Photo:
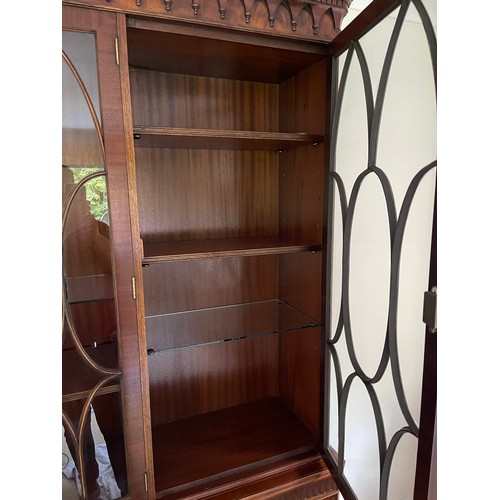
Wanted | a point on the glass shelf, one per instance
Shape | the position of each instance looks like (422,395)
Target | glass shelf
(214,325)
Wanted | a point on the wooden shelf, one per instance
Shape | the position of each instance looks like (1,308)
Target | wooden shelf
(167,332)
(171,251)
(194,138)
(207,447)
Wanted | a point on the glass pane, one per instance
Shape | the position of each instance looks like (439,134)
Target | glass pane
(222,324)
(402,477)
(351,148)
(369,279)
(81,143)
(407,138)
(80,48)
(361,444)
(103,450)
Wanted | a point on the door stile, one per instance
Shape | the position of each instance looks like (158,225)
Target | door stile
(137,252)
(426,443)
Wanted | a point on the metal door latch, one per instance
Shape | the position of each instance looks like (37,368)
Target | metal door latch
(429,316)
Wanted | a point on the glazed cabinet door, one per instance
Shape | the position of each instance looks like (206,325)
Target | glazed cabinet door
(105,431)
(381,387)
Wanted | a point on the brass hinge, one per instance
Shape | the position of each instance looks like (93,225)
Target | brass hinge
(117,53)
(429,315)
(145,481)
(133,287)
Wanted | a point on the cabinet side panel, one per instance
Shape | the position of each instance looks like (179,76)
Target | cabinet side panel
(197,194)
(302,101)
(300,351)
(193,381)
(302,105)
(301,193)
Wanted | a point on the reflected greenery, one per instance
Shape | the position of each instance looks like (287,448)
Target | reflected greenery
(95,190)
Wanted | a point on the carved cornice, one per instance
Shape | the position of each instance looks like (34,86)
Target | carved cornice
(317,20)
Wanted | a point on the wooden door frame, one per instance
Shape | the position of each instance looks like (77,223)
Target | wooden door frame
(134,392)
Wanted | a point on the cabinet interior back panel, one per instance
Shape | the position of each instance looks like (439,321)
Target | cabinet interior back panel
(173,100)
(183,286)
(197,194)
(198,380)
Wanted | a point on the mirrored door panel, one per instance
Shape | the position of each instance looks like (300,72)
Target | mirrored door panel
(93,438)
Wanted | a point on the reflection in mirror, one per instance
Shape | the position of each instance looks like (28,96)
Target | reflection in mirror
(87,264)
(103,450)
(81,142)
(81,138)
(80,49)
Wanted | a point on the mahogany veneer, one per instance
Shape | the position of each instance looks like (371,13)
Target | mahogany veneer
(209,446)
(218,55)
(169,251)
(300,476)
(240,140)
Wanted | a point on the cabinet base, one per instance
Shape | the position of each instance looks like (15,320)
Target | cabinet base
(301,477)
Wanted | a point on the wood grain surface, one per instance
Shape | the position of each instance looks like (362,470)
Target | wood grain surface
(221,58)
(193,381)
(206,194)
(171,251)
(161,99)
(239,140)
(233,438)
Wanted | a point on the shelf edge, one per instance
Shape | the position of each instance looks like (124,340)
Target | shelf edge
(230,253)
